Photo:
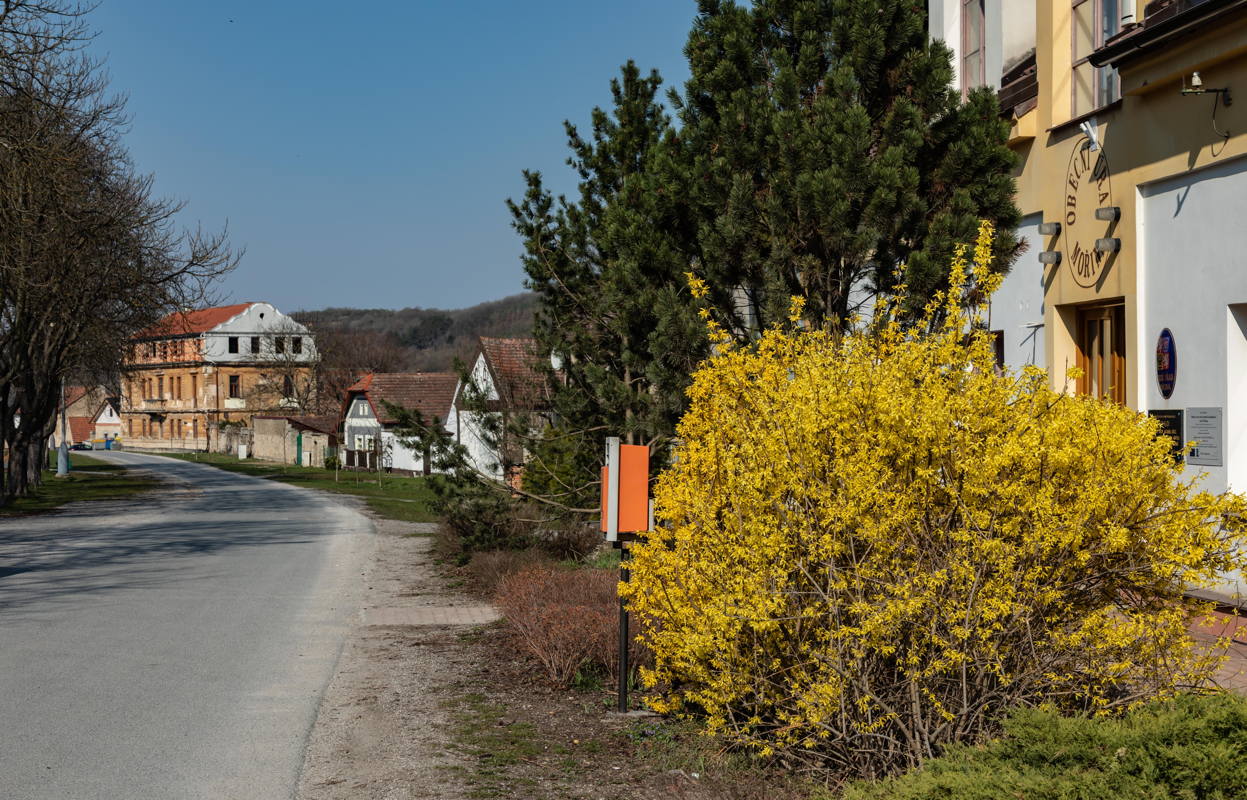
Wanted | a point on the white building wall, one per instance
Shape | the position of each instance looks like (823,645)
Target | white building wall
(468,426)
(1018,306)
(260,319)
(359,421)
(1017,30)
(1193,281)
(399,456)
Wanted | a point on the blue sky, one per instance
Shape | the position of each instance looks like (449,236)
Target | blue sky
(362,153)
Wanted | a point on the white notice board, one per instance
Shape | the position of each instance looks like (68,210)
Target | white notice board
(1203,425)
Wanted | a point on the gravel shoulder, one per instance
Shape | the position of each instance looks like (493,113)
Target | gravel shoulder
(383,729)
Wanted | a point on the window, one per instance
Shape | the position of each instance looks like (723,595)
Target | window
(1094,23)
(255,345)
(296,344)
(235,386)
(972,69)
(130,428)
(287,386)
(151,350)
(195,427)
(194,388)
(160,388)
(232,344)
(178,391)
(279,344)
(1101,342)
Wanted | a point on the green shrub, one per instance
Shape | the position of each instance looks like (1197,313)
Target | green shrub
(1192,747)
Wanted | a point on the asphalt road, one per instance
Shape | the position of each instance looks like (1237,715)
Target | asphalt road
(175,645)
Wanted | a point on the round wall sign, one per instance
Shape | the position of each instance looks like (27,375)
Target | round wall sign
(1166,363)
(1086,189)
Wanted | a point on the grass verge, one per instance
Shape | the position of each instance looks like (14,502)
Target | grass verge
(391,496)
(89,479)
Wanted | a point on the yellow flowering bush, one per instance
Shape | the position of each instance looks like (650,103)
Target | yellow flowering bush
(874,545)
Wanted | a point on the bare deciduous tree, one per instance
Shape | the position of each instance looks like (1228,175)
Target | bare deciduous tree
(88,254)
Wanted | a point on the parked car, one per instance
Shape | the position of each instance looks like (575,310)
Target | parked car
(80,446)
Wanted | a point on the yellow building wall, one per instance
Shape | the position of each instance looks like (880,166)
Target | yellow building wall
(1152,133)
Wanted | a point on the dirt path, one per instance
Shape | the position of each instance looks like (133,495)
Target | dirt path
(382,731)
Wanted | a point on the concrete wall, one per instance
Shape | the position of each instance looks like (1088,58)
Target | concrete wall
(1192,282)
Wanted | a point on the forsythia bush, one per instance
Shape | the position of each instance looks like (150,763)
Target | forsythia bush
(873,545)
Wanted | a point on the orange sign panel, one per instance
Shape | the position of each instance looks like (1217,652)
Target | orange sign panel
(633,490)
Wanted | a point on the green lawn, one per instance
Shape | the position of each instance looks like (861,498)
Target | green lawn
(397,497)
(89,479)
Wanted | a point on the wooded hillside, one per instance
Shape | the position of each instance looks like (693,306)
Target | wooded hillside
(430,339)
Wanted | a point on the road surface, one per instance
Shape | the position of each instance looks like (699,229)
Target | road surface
(174,645)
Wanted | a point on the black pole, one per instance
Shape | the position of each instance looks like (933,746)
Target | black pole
(623,632)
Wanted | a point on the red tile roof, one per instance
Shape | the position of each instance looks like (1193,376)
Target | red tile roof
(517,366)
(321,423)
(430,393)
(180,323)
(80,429)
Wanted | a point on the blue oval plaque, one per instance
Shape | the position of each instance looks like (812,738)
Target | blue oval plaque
(1166,363)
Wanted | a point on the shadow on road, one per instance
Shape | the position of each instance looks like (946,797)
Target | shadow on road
(170,535)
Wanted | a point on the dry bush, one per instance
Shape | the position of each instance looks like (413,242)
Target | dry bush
(486,570)
(566,619)
(570,541)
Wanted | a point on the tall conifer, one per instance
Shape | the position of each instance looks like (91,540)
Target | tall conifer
(609,269)
(824,146)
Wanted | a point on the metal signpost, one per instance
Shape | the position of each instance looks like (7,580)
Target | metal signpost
(626,511)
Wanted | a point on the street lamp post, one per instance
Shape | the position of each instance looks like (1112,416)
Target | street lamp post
(62,452)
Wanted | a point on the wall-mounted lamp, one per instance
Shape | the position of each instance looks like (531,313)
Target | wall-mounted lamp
(1049,229)
(1222,95)
(1050,257)
(1108,245)
(1196,86)
(1108,213)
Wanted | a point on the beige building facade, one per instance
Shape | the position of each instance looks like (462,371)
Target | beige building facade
(191,378)
(1133,181)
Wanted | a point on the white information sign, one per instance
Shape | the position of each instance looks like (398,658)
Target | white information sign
(1203,425)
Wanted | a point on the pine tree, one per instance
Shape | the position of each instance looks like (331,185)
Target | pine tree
(823,145)
(609,271)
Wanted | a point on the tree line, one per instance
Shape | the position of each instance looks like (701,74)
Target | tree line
(88,253)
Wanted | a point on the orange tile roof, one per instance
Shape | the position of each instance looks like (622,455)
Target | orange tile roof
(181,323)
(517,366)
(430,393)
(80,429)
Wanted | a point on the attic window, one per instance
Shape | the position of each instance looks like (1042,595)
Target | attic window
(233,344)
(296,344)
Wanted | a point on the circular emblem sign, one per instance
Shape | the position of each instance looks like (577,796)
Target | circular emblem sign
(1086,189)
(1166,363)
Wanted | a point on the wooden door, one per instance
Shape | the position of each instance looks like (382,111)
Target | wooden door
(1102,352)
